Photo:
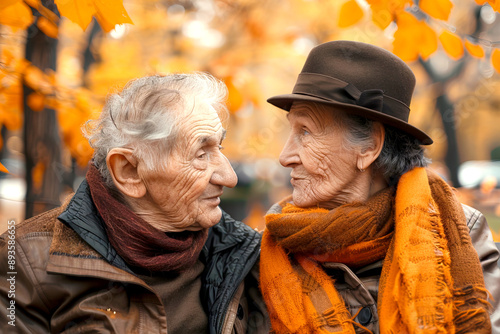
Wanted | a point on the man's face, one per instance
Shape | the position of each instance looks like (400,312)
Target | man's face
(186,195)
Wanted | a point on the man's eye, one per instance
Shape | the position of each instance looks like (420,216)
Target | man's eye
(201,156)
(305,131)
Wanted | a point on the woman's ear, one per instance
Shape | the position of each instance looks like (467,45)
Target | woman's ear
(369,155)
(122,166)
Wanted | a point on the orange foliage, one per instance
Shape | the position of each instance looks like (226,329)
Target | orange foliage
(7,3)
(18,15)
(452,44)
(384,11)
(413,38)
(2,167)
(439,9)
(37,175)
(70,121)
(474,50)
(495,4)
(108,13)
(48,28)
(255,217)
(11,104)
(248,39)
(36,101)
(495,59)
(350,14)
(235,98)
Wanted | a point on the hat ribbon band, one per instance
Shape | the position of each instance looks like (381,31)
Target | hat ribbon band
(334,90)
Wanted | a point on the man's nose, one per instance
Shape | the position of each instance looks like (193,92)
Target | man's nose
(224,174)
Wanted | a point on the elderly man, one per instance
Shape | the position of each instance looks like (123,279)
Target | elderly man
(142,246)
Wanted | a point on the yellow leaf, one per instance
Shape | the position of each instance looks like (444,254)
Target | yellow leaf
(78,11)
(413,38)
(474,49)
(384,11)
(439,9)
(33,77)
(48,28)
(22,65)
(83,152)
(6,57)
(36,101)
(235,98)
(110,13)
(428,40)
(350,14)
(481,2)
(11,106)
(37,175)
(17,16)
(382,18)
(3,169)
(452,44)
(7,3)
(495,4)
(495,59)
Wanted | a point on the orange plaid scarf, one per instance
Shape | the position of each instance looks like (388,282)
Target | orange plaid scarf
(431,280)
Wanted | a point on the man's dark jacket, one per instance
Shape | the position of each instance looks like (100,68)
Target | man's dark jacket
(69,279)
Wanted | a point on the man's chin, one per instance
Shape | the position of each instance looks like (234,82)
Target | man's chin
(210,218)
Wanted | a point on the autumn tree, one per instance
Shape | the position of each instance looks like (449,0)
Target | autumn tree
(256,47)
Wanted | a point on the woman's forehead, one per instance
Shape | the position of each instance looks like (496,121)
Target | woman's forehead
(321,114)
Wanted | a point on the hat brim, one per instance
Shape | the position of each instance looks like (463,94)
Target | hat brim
(285,102)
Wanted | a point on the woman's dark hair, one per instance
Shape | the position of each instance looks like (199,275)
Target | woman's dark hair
(400,153)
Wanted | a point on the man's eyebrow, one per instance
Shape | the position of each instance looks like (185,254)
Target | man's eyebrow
(205,139)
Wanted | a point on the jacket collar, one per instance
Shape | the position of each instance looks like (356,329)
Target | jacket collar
(82,217)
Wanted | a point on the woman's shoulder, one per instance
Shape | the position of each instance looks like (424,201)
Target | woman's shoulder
(473,216)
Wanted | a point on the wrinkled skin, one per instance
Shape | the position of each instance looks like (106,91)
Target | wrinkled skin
(185,196)
(324,172)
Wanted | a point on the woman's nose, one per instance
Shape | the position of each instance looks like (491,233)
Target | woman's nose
(289,156)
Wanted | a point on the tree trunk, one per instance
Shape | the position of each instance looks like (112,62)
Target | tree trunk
(42,143)
(452,157)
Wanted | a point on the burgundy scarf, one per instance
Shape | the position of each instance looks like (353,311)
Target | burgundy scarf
(136,241)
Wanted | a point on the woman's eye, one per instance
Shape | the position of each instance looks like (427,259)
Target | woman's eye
(305,131)
(201,156)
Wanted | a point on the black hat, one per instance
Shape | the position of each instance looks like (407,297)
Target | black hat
(362,79)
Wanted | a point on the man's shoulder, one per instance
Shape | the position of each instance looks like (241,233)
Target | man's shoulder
(230,231)
(41,224)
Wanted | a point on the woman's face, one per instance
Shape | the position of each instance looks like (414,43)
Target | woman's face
(324,171)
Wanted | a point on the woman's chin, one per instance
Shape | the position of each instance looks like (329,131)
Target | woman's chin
(300,200)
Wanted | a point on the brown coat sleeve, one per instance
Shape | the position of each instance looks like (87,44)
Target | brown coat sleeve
(21,301)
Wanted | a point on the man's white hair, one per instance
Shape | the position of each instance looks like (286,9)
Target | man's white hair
(144,116)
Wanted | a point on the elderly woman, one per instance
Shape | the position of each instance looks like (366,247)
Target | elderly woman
(142,246)
(370,240)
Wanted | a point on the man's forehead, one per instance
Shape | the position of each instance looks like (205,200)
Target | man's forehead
(216,137)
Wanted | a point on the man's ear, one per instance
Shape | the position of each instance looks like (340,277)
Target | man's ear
(369,155)
(122,166)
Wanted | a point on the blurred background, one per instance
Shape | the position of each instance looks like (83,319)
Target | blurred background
(58,60)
